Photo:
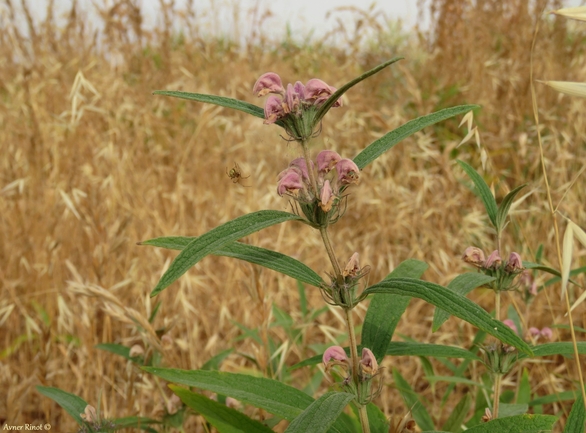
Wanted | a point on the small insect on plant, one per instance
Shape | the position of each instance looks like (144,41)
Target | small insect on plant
(236,175)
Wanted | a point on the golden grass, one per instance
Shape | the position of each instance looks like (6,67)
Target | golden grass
(93,163)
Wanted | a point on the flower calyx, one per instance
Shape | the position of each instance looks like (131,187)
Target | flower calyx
(499,358)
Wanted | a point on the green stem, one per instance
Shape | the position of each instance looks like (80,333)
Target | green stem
(497,396)
(323,231)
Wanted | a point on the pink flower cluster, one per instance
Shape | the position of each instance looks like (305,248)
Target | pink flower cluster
(335,355)
(293,100)
(294,180)
(475,256)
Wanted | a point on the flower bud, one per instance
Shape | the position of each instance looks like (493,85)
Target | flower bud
(352,267)
(89,414)
(547,333)
(368,362)
(511,325)
(474,256)
(494,260)
(268,83)
(348,171)
(326,197)
(317,92)
(334,353)
(535,332)
(301,164)
(136,350)
(514,264)
(174,404)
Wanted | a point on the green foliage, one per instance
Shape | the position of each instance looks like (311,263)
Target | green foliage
(321,414)
(516,424)
(418,411)
(225,234)
(456,419)
(223,418)
(577,418)
(72,404)
(384,312)
(454,304)
(483,192)
(389,140)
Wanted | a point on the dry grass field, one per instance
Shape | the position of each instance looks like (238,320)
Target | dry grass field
(92,163)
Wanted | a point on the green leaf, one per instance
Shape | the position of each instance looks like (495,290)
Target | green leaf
(325,107)
(72,404)
(418,411)
(273,396)
(516,424)
(482,191)
(216,100)
(462,285)
(117,349)
(320,414)
(454,379)
(454,422)
(216,238)
(139,422)
(390,139)
(377,419)
(214,362)
(503,209)
(577,417)
(554,398)
(223,418)
(507,409)
(384,312)
(454,304)
(565,348)
(524,391)
(249,253)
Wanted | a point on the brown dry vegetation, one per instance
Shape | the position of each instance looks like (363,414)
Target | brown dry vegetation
(92,163)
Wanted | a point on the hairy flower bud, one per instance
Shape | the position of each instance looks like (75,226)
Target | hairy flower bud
(352,267)
(368,362)
(273,109)
(136,350)
(268,83)
(301,164)
(348,171)
(335,355)
(89,414)
(511,325)
(547,333)
(474,256)
(494,260)
(318,92)
(326,197)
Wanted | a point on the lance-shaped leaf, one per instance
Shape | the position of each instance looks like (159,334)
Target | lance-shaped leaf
(72,404)
(325,107)
(384,312)
(223,418)
(454,304)
(273,396)
(321,414)
(577,417)
(411,398)
(503,209)
(462,285)
(217,238)
(222,101)
(458,414)
(564,348)
(252,254)
(390,139)
(517,424)
(482,191)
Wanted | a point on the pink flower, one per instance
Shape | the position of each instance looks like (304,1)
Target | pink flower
(514,264)
(368,362)
(318,92)
(268,83)
(493,261)
(273,109)
(292,100)
(301,164)
(511,325)
(474,256)
(326,197)
(289,181)
(335,355)
(348,171)
(326,160)
(547,333)
(535,332)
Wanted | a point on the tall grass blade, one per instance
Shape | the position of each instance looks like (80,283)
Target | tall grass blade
(567,251)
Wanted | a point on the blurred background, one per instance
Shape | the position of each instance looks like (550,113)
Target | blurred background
(93,163)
